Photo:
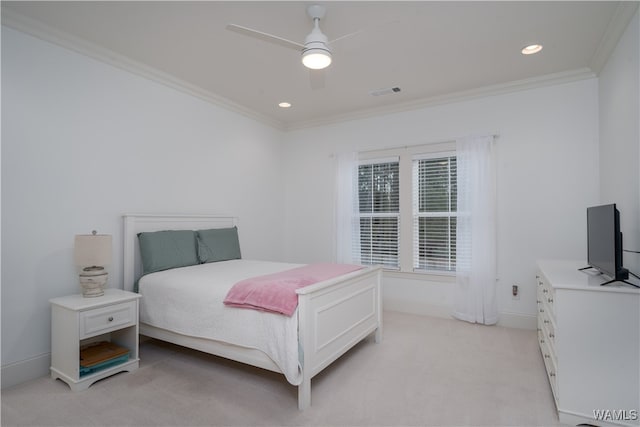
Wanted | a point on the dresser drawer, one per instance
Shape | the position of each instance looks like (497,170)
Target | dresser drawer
(545,295)
(548,295)
(550,330)
(107,319)
(550,362)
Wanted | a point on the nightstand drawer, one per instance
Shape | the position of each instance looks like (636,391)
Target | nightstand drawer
(107,319)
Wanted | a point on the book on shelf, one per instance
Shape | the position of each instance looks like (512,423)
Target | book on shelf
(101,355)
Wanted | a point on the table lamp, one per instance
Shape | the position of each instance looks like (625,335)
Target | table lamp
(92,252)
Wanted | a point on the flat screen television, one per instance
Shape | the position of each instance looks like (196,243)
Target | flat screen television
(604,241)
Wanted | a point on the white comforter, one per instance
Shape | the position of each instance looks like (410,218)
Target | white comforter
(189,301)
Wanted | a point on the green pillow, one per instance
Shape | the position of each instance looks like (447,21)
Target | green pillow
(162,250)
(218,244)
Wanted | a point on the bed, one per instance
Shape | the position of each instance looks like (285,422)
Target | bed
(331,317)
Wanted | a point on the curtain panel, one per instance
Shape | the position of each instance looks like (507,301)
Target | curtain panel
(475,293)
(347,227)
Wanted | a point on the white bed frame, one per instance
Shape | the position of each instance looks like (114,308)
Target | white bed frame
(333,315)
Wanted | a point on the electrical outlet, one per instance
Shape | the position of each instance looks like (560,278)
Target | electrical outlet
(515,292)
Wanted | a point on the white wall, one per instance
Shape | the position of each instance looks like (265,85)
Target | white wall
(619,95)
(547,174)
(83,143)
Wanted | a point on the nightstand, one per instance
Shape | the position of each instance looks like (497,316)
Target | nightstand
(77,321)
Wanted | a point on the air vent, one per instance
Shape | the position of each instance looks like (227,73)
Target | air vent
(385,91)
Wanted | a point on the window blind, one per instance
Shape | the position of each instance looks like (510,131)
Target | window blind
(434,212)
(379,213)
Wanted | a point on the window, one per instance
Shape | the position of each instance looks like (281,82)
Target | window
(434,213)
(406,209)
(379,213)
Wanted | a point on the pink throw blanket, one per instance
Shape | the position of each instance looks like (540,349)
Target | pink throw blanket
(277,292)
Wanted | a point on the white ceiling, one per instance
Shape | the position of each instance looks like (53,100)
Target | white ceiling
(433,51)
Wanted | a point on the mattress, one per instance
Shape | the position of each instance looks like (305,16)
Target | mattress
(189,301)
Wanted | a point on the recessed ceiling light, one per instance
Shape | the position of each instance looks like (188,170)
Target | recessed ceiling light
(531,49)
(284,105)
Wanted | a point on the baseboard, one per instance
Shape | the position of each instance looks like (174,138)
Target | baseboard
(25,370)
(517,320)
(506,319)
(411,307)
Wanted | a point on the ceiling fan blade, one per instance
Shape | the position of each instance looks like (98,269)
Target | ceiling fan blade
(375,27)
(345,36)
(316,79)
(264,36)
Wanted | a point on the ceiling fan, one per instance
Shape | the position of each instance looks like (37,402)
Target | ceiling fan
(316,51)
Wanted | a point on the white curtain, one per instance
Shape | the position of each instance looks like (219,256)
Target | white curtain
(475,294)
(347,228)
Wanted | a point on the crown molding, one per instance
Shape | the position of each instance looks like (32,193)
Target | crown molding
(44,32)
(615,29)
(483,92)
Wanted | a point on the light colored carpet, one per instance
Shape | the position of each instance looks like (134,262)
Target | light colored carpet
(427,371)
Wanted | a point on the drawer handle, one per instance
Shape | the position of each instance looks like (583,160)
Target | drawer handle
(541,341)
(546,321)
(110,319)
(551,335)
(546,356)
(550,300)
(541,310)
(538,301)
(552,374)
(544,291)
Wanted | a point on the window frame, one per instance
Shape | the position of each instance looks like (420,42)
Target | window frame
(406,155)
(437,214)
(371,215)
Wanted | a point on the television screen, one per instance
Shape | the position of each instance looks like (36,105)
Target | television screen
(604,243)
(601,238)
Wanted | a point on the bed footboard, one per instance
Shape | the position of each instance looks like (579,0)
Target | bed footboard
(333,317)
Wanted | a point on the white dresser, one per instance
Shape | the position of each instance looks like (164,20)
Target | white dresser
(589,337)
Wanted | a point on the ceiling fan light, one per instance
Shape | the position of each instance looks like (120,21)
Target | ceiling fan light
(316,59)
(316,55)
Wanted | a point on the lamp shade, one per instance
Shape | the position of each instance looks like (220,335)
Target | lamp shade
(92,250)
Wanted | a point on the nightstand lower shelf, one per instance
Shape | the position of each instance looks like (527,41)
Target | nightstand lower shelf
(86,380)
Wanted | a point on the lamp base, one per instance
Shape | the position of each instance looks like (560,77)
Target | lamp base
(92,281)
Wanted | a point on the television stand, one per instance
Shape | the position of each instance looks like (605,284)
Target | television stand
(623,281)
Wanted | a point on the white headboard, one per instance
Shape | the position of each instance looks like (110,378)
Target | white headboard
(134,224)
